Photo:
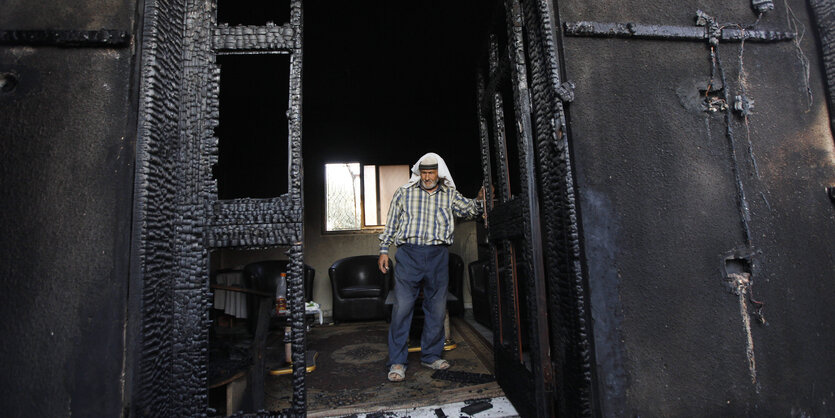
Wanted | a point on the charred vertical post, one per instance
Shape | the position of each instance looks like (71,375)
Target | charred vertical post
(179,215)
(568,312)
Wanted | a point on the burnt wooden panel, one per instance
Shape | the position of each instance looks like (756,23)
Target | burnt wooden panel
(178,214)
(567,287)
(523,363)
(156,213)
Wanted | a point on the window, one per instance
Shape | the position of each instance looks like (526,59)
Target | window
(358,196)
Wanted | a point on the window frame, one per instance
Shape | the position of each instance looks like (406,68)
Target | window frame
(364,229)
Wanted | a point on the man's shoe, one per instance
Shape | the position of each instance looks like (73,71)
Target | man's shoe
(439,364)
(397,372)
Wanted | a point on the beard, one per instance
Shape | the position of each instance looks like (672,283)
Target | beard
(429,185)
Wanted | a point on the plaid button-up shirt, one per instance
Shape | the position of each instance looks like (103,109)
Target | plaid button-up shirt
(419,217)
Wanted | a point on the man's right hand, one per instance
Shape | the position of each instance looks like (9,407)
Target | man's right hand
(383,263)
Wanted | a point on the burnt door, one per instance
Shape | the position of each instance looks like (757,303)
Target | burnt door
(523,364)
(541,334)
(701,152)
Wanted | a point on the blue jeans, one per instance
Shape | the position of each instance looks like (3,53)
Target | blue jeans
(416,263)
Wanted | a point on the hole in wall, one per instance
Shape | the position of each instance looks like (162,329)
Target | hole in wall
(737,265)
(714,101)
(8,82)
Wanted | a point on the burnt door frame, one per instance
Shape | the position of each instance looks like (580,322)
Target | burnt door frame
(544,216)
(522,352)
(178,216)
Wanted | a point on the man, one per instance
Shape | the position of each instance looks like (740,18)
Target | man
(420,222)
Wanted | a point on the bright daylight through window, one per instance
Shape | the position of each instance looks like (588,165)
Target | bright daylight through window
(358,196)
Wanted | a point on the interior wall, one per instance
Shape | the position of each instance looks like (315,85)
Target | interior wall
(66,171)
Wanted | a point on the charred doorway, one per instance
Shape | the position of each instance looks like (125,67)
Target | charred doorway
(198,192)
(385,82)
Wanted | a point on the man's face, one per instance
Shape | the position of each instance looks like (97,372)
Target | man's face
(429,179)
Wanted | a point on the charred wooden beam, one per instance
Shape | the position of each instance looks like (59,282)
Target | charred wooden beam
(269,37)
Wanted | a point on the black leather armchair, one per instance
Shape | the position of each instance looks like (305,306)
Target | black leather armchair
(359,288)
(479,274)
(264,276)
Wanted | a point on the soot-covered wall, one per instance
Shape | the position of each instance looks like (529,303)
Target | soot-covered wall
(66,170)
(669,190)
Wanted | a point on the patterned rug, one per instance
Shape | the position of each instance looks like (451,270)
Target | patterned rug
(351,372)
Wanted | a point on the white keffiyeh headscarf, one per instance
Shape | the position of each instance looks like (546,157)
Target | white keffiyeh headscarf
(443,171)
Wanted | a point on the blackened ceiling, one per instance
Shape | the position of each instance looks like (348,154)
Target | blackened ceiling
(385,82)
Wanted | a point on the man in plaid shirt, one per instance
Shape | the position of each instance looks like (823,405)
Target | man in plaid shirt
(421,224)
